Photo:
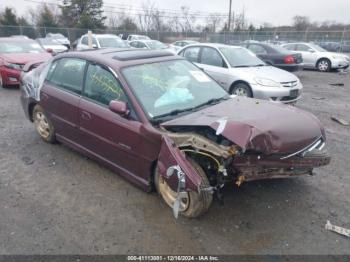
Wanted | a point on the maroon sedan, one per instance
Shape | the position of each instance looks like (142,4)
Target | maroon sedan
(159,121)
(14,54)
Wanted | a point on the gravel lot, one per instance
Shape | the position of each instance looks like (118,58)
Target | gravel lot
(55,201)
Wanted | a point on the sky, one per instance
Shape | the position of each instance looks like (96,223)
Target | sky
(275,12)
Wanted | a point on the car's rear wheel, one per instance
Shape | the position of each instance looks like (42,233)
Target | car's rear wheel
(324,65)
(196,203)
(43,125)
(241,89)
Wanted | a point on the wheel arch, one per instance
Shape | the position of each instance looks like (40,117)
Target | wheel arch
(31,110)
(240,82)
(324,58)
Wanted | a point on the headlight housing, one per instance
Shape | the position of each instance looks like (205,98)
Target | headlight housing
(14,66)
(267,82)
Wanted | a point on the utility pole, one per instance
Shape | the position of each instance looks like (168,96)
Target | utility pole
(229,17)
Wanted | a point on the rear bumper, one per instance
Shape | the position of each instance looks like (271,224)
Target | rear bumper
(10,76)
(291,68)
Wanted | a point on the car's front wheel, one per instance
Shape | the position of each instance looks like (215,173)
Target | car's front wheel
(196,204)
(324,65)
(43,125)
(241,89)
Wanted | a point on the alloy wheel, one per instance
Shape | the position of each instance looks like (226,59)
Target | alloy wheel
(42,125)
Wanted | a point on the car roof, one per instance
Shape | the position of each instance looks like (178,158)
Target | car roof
(102,35)
(122,57)
(16,39)
(215,45)
(145,40)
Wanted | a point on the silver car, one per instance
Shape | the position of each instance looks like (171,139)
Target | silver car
(242,73)
(150,44)
(315,57)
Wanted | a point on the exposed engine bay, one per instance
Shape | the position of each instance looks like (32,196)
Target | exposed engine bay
(224,162)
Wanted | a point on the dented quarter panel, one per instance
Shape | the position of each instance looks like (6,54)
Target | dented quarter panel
(169,156)
(266,127)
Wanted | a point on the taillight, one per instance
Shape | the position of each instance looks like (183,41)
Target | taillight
(289,59)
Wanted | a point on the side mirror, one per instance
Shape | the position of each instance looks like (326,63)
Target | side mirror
(311,50)
(94,46)
(119,107)
(49,50)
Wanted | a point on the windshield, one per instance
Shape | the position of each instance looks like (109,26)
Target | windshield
(48,41)
(317,48)
(156,45)
(166,87)
(20,47)
(57,36)
(240,57)
(140,37)
(112,42)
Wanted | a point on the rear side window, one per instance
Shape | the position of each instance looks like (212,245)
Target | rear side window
(101,85)
(257,49)
(191,54)
(211,57)
(302,47)
(289,47)
(68,73)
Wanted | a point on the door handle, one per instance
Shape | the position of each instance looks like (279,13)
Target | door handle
(85,115)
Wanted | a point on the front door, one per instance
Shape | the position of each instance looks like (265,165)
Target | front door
(116,140)
(214,65)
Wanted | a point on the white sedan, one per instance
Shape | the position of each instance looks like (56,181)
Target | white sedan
(315,57)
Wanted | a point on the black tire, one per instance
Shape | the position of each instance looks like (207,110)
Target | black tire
(241,89)
(1,82)
(43,125)
(324,65)
(198,203)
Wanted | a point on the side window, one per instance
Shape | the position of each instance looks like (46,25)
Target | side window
(191,54)
(141,45)
(303,48)
(102,86)
(289,47)
(211,57)
(84,40)
(257,49)
(133,44)
(68,74)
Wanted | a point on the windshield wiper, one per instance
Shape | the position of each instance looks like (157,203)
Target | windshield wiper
(179,111)
(238,66)
(258,65)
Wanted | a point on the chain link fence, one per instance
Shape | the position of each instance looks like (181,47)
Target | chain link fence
(342,37)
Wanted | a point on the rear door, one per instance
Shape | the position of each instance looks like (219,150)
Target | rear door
(61,94)
(116,140)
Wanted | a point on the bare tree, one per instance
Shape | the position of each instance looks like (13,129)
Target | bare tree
(213,22)
(301,23)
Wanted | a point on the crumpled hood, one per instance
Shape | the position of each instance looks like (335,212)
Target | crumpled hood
(268,72)
(259,125)
(23,58)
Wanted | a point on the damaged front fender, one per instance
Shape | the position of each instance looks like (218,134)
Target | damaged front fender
(172,160)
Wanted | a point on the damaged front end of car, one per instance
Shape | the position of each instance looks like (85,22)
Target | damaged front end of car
(232,152)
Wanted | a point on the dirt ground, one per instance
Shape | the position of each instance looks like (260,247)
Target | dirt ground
(55,201)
